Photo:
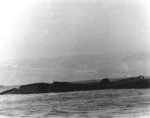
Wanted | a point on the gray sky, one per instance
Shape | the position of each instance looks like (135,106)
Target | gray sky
(37,28)
(56,28)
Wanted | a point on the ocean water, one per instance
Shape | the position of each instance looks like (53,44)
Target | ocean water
(126,103)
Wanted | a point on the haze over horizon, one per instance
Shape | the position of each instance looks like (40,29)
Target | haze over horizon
(68,40)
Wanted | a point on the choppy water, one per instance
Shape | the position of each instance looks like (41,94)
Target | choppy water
(133,103)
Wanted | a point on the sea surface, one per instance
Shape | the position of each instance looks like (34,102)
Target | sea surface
(125,103)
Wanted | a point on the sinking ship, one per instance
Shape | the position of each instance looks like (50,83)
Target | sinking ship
(139,82)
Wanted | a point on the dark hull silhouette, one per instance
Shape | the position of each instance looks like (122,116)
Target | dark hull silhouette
(128,83)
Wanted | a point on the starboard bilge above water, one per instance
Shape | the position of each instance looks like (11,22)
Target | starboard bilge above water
(128,83)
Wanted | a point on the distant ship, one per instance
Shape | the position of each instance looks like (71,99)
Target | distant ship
(139,82)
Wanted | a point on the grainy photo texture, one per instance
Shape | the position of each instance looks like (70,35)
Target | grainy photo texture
(74,58)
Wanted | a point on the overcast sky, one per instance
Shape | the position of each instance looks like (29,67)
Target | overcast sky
(47,28)
(54,28)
